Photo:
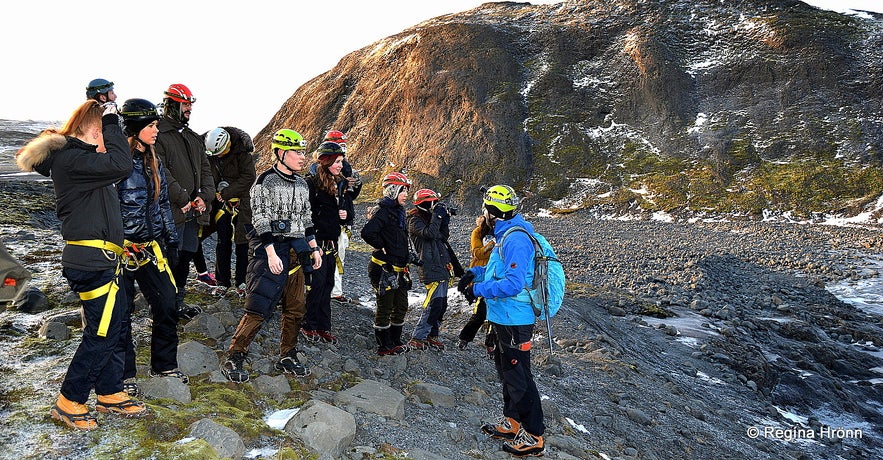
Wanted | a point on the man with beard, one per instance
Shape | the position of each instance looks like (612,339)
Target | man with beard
(190,182)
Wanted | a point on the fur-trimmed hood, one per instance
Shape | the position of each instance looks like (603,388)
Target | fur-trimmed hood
(33,156)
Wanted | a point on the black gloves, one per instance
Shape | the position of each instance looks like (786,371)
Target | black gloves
(469,293)
(172,256)
(465,280)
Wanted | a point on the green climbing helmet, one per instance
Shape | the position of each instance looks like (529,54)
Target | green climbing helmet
(288,139)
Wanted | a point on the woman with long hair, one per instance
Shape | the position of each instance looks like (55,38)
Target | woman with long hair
(327,221)
(85,158)
(151,244)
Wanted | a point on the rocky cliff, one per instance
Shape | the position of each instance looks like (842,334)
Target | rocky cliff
(674,105)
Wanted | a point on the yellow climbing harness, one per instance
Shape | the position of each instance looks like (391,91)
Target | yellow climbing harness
(110,289)
(136,256)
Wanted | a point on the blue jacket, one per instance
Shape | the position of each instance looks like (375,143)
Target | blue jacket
(501,282)
(144,219)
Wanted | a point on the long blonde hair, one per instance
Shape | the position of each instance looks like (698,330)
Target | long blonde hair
(87,115)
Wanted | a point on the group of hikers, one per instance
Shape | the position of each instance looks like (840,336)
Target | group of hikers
(138,192)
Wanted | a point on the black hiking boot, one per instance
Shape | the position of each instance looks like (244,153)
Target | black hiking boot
(233,368)
(291,365)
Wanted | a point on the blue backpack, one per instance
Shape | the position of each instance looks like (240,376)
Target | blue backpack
(547,290)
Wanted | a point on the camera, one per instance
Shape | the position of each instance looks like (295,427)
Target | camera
(451,211)
(280,226)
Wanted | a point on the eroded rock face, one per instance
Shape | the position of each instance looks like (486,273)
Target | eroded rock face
(540,95)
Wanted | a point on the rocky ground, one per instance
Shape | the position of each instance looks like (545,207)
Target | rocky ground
(676,340)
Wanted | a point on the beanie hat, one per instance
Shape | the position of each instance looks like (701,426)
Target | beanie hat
(133,127)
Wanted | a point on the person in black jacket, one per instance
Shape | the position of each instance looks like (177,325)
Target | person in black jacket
(190,182)
(327,219)
(348,191)
(428,229)
(151,243)
(387,233)
(85,158)
(230,156)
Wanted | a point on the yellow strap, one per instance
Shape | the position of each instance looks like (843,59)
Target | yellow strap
(98,244)
(339,263)
(293,270)
(110,289)
(382,263)
(430,289)
(162,263)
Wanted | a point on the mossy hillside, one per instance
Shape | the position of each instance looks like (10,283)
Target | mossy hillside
(736,181)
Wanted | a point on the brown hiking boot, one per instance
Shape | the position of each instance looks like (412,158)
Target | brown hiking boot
(525,445)
(417,344)
(73,414)
(120,403)
(505,428)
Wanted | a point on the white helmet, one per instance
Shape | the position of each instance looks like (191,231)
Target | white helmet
(217,142)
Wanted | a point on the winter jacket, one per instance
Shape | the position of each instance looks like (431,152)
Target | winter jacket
(144,219)
(429,232)
(87,203)
(387,234)
(238,170)
(182,151)
(480,250)
(502,281)
(326,219)
(346,197)
(279,198)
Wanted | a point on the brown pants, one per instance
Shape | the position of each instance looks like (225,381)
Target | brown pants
(294,307)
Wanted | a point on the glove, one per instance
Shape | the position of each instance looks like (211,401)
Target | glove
(172,256)
(469,293)
(465,280)
(110,108)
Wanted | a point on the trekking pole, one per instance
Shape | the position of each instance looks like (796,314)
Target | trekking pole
(548,326)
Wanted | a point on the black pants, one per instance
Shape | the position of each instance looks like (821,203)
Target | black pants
(224,253)
(318,315)
(98,361)
(521,399)
(160,294)
(392,304)
(470,329)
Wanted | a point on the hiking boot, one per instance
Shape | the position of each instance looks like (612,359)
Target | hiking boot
(233,368)
(130,387)
(434,342)
(207,278)
(291,365)
(73,414)
(311,335)
(220,291)
(240,290)
(396,350)
(417,344)
(174,373)
(188,312)
(525,445)
(462,344)
(505,428)
(327,337)
(120,403)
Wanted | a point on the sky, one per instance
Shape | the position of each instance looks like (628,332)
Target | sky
(242,59)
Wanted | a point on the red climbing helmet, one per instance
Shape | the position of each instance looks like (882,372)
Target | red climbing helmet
(179,93)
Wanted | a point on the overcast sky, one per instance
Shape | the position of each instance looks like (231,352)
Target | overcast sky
(242,59)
